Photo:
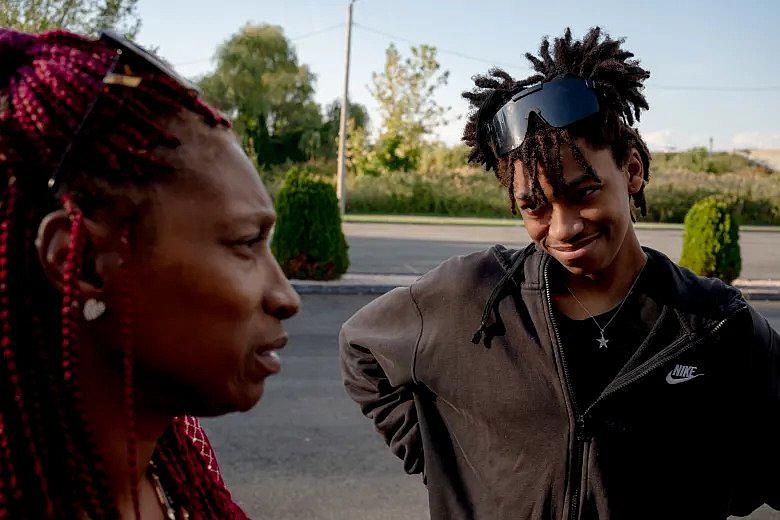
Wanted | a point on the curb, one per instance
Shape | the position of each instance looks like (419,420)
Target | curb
(352,284)
(431,220)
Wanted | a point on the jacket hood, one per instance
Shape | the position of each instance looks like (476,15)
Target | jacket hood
(700,303)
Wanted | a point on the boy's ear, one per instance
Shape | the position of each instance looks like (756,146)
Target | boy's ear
(635,170)
(100,259)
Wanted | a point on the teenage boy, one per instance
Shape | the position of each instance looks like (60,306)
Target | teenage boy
(603,381)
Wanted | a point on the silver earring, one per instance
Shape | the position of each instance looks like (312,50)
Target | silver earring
(93,309)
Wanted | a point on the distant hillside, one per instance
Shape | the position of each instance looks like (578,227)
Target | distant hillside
(769,158)
(699,160)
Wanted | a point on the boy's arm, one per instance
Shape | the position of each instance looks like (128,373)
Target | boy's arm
(762,481)
(378,348)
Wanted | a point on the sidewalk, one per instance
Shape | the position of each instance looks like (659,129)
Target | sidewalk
(765,290)
(500,222)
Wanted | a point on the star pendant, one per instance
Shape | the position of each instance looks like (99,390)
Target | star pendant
(602,342)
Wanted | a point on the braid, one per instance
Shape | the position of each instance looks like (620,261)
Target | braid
(618,79)
(49,467)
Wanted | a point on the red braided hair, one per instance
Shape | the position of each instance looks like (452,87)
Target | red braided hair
(48,464)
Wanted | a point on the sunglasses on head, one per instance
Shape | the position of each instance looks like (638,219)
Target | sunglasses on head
(559,103)
(129,55)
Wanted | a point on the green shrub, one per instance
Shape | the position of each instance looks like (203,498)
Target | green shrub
(456,193)
(699,160)
(308,241)
(438,158)
(711,239)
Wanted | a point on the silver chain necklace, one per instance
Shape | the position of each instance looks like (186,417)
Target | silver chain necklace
(602,341)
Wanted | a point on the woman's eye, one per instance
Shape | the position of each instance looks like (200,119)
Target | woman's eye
(251,242)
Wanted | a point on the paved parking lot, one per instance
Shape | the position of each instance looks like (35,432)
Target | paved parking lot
(414,249)
(306,452)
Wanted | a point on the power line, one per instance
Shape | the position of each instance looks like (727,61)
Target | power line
(698,88)
(293,39)
(319,31)
(763,88)
(441,49)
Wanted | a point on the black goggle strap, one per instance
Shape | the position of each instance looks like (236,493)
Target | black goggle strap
(55,179)
(126,48)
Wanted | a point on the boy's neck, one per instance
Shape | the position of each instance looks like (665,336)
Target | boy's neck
(602,291)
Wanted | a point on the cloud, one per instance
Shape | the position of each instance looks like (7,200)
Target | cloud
(756,140)
(667,140)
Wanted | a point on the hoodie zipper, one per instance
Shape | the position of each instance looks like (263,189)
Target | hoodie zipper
(579,428)
(665,359)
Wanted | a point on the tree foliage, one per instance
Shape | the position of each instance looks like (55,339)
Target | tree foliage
(260,84)
(711,239)
(308,241)
(405,92)
(357,122)
(81,16)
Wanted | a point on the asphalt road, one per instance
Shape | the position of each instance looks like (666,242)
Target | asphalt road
(415,249)
(306,452)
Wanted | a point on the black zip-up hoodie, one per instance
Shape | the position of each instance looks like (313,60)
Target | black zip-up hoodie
(689,429)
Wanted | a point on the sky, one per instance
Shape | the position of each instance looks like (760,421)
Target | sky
(715,66)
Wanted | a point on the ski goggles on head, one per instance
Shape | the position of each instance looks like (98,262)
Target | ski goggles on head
(559,103)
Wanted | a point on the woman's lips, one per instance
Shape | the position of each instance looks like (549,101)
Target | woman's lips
(269,362)
(576,250)
(266,357)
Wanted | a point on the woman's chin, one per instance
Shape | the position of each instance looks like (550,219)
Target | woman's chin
(236,400)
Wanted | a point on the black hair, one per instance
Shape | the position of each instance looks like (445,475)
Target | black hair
(618,81)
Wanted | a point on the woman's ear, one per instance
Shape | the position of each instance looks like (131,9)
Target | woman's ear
(635,171)
(101,258)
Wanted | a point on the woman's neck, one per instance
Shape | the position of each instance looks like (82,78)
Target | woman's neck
(102,389)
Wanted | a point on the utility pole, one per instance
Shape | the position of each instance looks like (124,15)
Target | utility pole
(341,177)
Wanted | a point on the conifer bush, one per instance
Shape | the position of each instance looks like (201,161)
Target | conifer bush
(711,239)
(308,242)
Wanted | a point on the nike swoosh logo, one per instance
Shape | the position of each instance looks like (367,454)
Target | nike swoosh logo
(675,381)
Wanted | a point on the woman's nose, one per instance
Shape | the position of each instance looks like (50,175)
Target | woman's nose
(280,299)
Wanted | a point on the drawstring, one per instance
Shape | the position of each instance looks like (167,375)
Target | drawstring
(501,290)
(490,330)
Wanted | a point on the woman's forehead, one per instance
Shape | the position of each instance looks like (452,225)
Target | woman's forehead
(215,182)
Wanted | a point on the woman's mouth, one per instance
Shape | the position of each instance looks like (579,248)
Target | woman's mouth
(266,357)
(568,252)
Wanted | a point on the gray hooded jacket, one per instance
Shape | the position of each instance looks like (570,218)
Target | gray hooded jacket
(489,417)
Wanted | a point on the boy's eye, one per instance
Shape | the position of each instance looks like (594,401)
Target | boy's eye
(531,209)
(584,192)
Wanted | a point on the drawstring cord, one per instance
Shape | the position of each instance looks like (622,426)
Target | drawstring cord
(487,330)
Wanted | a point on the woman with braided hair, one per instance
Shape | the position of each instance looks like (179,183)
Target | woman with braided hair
(137,289)
(584,376)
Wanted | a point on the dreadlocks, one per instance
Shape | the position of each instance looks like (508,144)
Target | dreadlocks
(618,80)
(48,82)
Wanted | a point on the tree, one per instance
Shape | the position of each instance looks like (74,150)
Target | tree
(81,16)
(259,83)
(404,91)
(358,121)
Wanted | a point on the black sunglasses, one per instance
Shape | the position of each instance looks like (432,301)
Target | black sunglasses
(559,103)
(126,52)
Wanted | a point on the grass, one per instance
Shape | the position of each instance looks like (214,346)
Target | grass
(677,181)
(470,221)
